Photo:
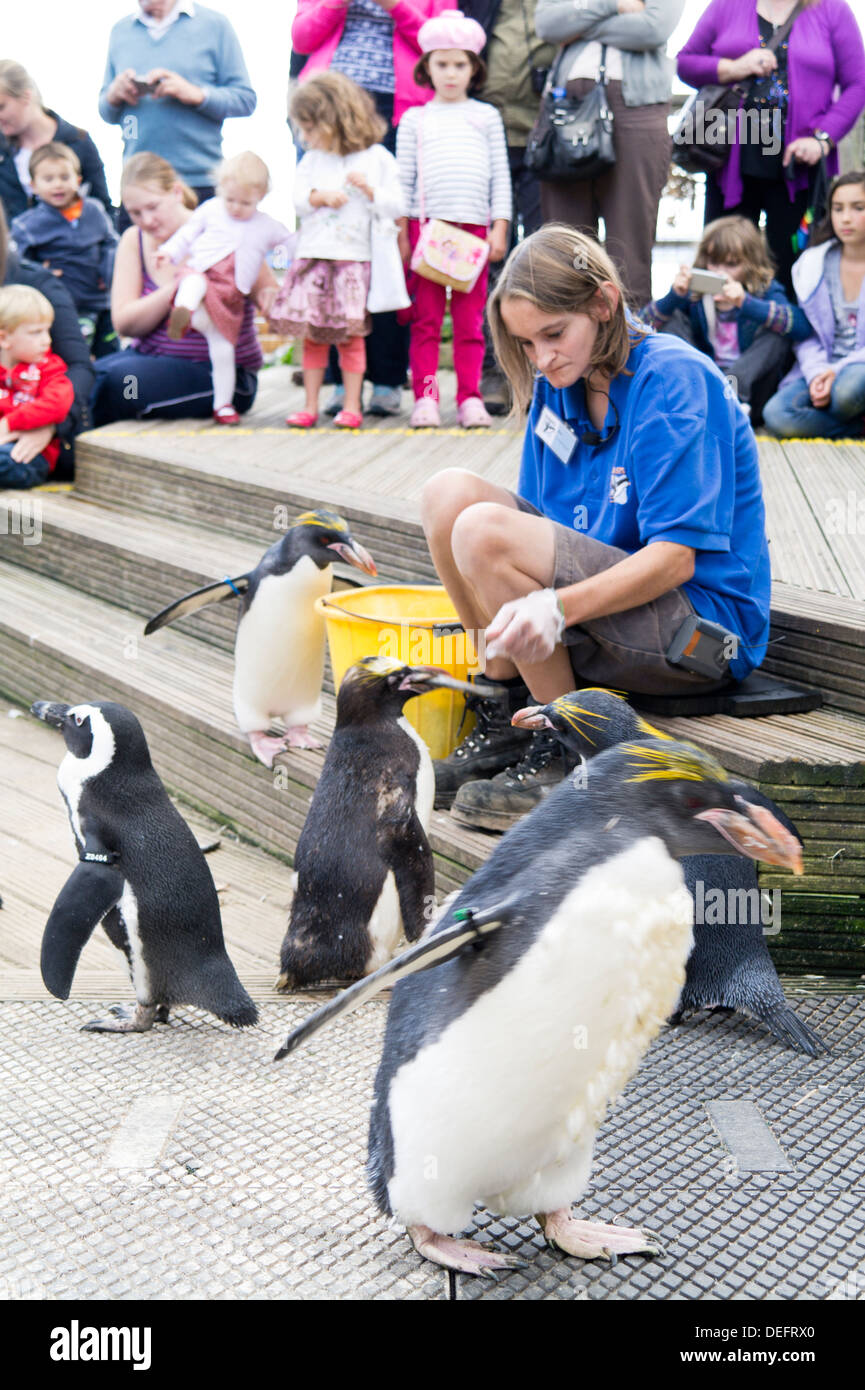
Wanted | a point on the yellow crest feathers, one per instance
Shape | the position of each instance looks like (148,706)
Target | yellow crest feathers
(678,762)
(329,521)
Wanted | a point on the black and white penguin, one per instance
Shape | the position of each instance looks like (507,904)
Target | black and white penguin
(140,873)
(364,867)
(730,966)
(498,1064)
(279,650)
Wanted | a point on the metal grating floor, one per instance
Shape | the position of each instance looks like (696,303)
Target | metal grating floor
(259,1190)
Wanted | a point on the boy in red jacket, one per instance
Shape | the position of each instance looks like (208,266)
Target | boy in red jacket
(34,388)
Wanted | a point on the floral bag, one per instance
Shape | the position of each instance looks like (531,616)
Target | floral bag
(445,253)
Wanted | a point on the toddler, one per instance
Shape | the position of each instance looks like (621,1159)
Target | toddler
(222,247)
(749,327)
(72,236)
(345,182)
(34,388)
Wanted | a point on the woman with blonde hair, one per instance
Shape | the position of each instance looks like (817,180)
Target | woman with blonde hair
(158,375)
(25,124)
(637,520)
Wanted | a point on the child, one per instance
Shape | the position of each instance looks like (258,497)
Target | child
(344,181)
(72,236)
(34,388)
(222,247)
(453,159)
(748,328)
(824,394)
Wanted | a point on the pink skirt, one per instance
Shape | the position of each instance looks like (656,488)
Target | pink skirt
(324,301)
(223,300)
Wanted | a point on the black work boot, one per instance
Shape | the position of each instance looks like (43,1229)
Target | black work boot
(492,745)
(503,800)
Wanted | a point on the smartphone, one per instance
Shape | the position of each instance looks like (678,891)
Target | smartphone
(701,646)
(707,282)
(143,87)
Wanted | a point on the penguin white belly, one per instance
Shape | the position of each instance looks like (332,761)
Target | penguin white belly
(503,1107)
(386,925)
(279,652)
(128,909)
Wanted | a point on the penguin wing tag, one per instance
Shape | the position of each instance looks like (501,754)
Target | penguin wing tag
(429,951)
(199,598)
(91,890)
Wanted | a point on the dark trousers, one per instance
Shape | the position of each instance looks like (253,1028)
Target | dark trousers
(627,196)
(14,474)
(387,344)
(759,369)
(134,386)
(526,219)
(202,192)
(782,217)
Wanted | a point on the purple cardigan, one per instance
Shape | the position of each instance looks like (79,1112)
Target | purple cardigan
(825,50)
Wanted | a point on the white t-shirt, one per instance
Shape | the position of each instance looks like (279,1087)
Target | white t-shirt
(22,168)
(344,234)
(588,62)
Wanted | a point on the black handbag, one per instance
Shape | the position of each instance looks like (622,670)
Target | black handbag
(572,139)
(702,135)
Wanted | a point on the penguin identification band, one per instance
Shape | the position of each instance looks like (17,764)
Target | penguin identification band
(89,857)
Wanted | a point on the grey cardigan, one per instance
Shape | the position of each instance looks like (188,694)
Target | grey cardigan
(647,72)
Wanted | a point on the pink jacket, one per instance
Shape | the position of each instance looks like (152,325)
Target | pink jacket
(317,30)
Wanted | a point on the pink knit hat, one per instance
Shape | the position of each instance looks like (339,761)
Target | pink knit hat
(451,29)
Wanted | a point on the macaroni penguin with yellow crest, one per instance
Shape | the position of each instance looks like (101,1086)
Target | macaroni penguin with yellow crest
(730,967)
(567,953)
(363,865)
(279,649)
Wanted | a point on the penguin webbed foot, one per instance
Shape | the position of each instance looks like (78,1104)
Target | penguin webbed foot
(463,1256)
(593,1240)
(126,1020)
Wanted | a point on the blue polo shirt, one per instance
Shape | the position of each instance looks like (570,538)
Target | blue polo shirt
(682,467)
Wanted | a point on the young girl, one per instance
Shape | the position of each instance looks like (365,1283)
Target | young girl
(749,327)
(222,246)
(344,181)
(453,160)
(824,394)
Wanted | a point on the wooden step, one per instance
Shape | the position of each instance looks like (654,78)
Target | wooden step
(819,639)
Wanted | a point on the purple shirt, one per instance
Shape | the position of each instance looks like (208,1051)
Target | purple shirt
(825,51)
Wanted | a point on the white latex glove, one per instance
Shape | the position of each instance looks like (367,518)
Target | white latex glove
(526,629)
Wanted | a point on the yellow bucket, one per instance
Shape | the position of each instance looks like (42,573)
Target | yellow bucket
(416,625)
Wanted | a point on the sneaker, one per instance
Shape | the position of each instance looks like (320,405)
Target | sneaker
(336,401)
(495,393)
(385,400)
(472,414)
(492,745)
(499,803)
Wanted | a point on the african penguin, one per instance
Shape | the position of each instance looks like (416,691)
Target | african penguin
(140,873)
(730,966)
(499,1062)
(364,868)
(279,649)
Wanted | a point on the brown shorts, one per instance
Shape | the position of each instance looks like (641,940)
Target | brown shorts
(625,651)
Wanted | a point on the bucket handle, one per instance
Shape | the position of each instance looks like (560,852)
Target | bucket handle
(438,629)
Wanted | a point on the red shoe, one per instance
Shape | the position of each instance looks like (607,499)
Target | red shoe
(348,420)
(301,420)
(226,415)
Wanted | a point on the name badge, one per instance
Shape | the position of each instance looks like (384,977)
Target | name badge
(555,434)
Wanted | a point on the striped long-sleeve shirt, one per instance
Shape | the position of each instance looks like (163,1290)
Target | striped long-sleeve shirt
(457,151)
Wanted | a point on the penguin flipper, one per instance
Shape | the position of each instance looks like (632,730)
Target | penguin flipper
(404,847)
(87,895)
(426,953)
(199,598)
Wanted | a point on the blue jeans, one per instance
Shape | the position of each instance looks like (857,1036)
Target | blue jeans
(790,414)
(132,385)
(14,474)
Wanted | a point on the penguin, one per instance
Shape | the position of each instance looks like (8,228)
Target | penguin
(140,873)
(730,967)
(364,867)
(499,1062)
(279,649)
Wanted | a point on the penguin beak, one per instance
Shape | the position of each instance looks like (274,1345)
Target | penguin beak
(420,679)
(532,717)
(354,553)
(757,835)
(49,713)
